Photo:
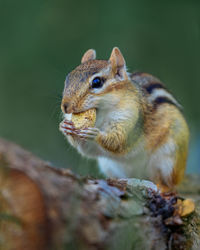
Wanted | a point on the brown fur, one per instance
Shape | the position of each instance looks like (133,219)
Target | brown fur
(164,124)
(157,126)
(142,78)
(76,84)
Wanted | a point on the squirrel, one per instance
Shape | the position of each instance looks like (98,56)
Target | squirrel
(140,130)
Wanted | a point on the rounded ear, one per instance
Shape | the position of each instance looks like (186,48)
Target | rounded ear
(89,55)
(118,63)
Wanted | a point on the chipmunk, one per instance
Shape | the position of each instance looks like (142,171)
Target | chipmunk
(140,130)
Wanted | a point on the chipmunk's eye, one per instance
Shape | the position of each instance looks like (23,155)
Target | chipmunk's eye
(97,82)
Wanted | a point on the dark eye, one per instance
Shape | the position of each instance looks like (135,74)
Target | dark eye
(97,82)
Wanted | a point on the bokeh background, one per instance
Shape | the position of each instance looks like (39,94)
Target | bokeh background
(41,41)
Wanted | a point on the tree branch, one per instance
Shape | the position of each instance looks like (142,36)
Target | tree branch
(42,207)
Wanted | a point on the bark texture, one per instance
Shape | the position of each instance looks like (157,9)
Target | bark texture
(43,207)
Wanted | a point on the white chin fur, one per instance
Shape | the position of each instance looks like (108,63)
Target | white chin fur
(68,116)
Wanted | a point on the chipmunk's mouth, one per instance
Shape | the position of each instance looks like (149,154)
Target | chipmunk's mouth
(68,116)
(83,119)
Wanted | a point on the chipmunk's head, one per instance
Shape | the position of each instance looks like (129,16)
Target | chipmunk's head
(91,84)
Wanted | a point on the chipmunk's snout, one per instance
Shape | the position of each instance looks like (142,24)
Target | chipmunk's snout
(66,108)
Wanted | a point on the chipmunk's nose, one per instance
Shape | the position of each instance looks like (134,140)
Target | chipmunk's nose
(66,107)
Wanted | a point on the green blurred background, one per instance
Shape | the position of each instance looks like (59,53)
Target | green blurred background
(41,41)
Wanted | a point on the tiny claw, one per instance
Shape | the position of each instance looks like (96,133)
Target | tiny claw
(88,133)
(68,122)
(68,126)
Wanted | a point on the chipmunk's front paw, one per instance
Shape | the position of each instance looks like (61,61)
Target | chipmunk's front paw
(68,128)
(88,133)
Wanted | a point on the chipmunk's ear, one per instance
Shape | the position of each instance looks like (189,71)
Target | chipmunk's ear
(89,55)
(118,63)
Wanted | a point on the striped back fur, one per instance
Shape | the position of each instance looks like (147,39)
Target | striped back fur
(154,90)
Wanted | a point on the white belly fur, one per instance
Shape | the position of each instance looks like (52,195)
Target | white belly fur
(131,165)
(140,164)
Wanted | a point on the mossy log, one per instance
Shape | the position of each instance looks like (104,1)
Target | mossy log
(43,207)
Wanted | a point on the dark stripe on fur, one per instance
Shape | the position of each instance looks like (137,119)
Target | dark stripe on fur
(136,74)
(163,99)
(153,85)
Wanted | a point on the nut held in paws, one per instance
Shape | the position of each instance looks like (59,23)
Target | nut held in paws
(84,119)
